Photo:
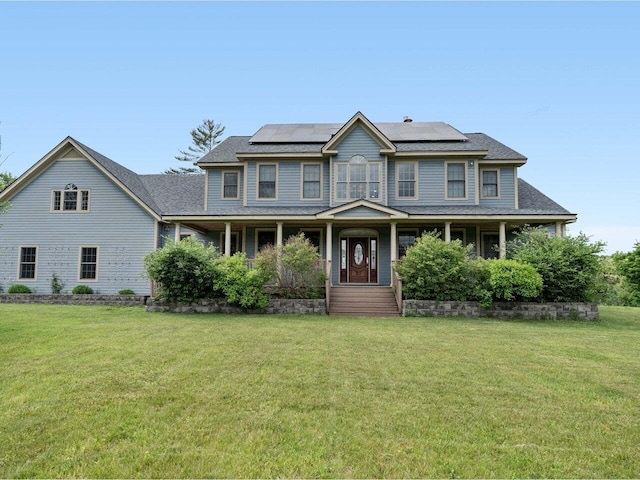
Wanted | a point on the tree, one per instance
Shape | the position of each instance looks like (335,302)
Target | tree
(204,138)
(628,265)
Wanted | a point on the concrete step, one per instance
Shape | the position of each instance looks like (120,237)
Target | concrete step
(363,301)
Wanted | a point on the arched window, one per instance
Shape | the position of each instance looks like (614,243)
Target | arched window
(71,199)
(358,179)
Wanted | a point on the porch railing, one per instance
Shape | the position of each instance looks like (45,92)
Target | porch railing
(396,284)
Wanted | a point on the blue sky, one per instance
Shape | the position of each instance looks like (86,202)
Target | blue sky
(557,81)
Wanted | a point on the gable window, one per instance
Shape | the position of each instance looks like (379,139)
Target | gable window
(490,184)
(456,173)
(267,181)
(230,185)
(358,179)
(88,263)
(406,180)
(71,199)
(27,268)
(311,175)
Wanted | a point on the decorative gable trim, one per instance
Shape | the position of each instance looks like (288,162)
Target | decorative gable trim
(386,146)
(333,212)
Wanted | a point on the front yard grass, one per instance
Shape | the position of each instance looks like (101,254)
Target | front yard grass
(119,392)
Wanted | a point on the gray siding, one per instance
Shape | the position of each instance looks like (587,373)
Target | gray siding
(214,189)
(507,190)
(122,231)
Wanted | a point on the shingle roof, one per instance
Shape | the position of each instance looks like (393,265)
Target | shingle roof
(176,194)
(227,151)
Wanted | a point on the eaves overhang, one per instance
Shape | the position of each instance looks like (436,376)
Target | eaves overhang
(386,146)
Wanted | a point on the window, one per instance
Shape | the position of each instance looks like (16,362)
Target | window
(235,242)
(311,187)
(27,268)
(489,183)
(88,263)
(315,237)
(230,185)
(406,238)
(357,179)
(456,174)
(267,181)
(490,242)
(458,234)
(265,237)
(406,180)
(71,199)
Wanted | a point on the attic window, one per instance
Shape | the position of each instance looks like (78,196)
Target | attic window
(71,199)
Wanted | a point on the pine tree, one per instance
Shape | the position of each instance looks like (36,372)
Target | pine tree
(204,138)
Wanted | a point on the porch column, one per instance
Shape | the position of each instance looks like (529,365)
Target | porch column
(227,238)
(176,236)
(394,242)
(503,239)
(558,229)
(328,252)
(447,232)
(279,234)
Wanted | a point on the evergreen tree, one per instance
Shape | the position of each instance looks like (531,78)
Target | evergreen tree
(203,138)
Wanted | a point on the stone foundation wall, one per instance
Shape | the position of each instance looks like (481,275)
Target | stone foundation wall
(91,299)
(560,310)
(281,306)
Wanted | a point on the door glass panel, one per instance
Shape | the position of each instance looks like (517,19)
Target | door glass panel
(373,253)
(343,256)
(358,254)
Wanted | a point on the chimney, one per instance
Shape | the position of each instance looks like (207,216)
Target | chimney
(407,120)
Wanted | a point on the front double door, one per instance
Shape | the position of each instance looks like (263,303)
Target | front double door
(360,264)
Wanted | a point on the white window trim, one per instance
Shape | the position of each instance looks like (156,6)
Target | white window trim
(78,201)
(258,198)
(260,230)
(415,181)
(35,274)
(302,197)
(91,280)
(349,199)
(321,231)
(446,180)
(225,172)
(481,182)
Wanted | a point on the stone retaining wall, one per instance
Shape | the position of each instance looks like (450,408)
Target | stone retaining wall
(276,305)
(560,310)
(90,299)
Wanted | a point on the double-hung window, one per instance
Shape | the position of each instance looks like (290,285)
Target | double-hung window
(267,182)
(456,180)
(88,263)
(311,184)
(490,184)
(406,238)
(358,179)
(406,180)
(71,199)
(230,185)
(27,268)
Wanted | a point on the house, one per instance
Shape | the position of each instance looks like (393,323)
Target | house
(361,191)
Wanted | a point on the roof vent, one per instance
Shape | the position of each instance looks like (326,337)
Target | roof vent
(407,120)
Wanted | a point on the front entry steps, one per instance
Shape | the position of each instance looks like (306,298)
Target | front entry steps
(363,301)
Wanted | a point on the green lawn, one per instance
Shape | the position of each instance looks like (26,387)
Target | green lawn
(119,392)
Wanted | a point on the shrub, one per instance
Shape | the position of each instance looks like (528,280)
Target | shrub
(185,271)
(56,284)
(436,270)
(18,288)
(126,291)
(628,265)
(295,267)
(569,266)
(514,281)
(240,285)
(82,290)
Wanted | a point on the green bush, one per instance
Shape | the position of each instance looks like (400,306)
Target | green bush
(295,267)
(240,285)
(514,281)
(569,266)
(126,291)
(436,270)
(56,284)
(184,271)
(18,288)
(82,290)
(628,265)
